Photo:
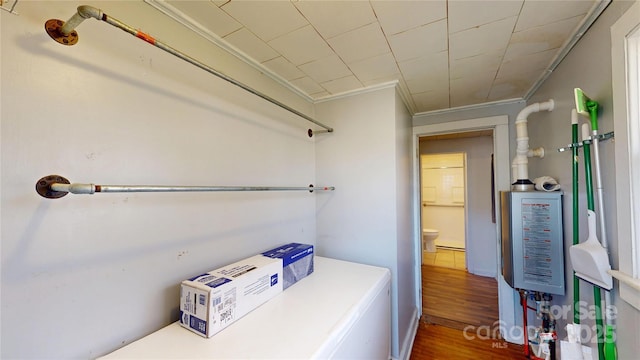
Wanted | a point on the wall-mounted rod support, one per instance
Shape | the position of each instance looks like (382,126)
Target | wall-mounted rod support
(66,34)
(56,186)
(310,132)
(601,137)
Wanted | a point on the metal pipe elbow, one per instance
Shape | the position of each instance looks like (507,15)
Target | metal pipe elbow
(87,11)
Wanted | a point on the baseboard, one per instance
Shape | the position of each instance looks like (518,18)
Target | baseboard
(484,273)
(407,343)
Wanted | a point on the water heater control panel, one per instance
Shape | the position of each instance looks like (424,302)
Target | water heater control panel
(532,241)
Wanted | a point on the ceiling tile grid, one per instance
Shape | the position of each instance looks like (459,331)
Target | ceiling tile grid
(443,53)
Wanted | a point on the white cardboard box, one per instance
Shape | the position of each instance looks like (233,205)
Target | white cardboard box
(212,301)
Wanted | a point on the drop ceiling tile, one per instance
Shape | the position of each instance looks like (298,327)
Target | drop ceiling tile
(481,40)
(426,65)
(471,89)
(208,15)
(536,13)
(325,69)
(378,67)
(514,86)
(248,43)
(361,43)
(331,18)
(435,81)
(267,19)
(470,14)
(541,38)
(398,16)
(420,41)
(301,46)
(538,61)
(485,63)
(284,68)
(432,100)
(307,85)
(342,85)
(506,90)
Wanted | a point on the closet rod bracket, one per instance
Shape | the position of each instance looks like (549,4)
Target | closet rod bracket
(43,186)
(53,28)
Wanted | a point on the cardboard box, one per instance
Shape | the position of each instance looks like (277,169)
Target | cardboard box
(297,261)
(212,301)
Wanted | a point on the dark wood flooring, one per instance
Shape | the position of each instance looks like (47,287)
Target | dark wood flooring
(460,314)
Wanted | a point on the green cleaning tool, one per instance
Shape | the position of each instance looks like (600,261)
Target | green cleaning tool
(587,107)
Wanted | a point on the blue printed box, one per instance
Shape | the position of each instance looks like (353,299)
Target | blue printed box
(297,261)
(214,300)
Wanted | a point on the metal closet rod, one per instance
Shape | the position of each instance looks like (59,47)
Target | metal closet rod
(56,186)
(65,33)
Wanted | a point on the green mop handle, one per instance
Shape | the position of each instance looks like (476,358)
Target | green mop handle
(576,219)
(586,146)
(592,106)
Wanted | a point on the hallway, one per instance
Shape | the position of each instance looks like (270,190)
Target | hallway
(460,314)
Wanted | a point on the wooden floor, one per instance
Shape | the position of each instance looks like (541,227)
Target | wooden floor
(458,297)
(440,342)
(460,314)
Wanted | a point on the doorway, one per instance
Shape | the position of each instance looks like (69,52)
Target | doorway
(499,125)
(456,202)
(443,198)
(465,216)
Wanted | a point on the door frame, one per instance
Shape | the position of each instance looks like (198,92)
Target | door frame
(507,297)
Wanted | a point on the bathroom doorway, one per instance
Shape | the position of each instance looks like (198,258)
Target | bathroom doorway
(465,217)
(456,199)
(482,253)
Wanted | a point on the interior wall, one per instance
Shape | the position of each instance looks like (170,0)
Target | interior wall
(368,219)
(480,246)
(588,66)
(408,313)
(86,274)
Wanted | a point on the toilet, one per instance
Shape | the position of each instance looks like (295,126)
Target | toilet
(429,237)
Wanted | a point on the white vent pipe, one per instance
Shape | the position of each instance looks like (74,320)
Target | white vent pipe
(520,164)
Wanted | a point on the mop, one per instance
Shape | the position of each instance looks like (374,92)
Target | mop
(572,348)
(610,351)
(585,257)
(598,255)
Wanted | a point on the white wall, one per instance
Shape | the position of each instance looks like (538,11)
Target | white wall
(588,66)
(481,244)
(368,219)
(405,241)
(86,274)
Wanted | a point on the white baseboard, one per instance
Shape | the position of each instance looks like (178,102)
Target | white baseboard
(407,343)
(483,272)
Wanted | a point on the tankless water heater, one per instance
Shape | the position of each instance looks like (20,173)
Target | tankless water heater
(532,240)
